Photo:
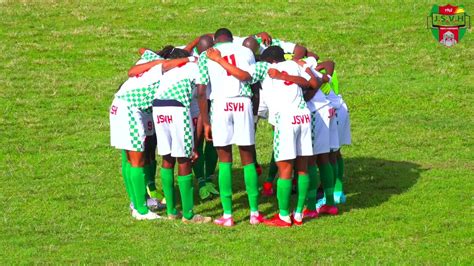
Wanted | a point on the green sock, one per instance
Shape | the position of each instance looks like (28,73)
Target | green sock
(150,173)
(225,186)
(338,187)
(210,157)
(334,171)
(314,182)
(126,177)
(327,179)
(273,170)
(251,185)
(303,185)
(167,182)
(284,195)
(198,166)
(186,190)
(137,179)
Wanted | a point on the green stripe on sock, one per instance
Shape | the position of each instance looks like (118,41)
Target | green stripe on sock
(283,196)
(251,185)
(225,186)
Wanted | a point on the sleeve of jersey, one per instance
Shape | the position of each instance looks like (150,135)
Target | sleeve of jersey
(203,70)
(258,71)
(287,47)
(149,56)
(303,73)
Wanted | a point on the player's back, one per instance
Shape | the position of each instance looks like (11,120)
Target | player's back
(282,94)
(224,85)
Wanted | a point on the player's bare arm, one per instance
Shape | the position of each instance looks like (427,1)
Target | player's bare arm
(167,65)
(326,65)
(190,46)
(266,38)
(300,81)
(204,115)
(215,55)
(299,52)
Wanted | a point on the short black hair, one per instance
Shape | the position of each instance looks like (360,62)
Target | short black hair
(273,53)
(171,52)
(223,32)
(178,53)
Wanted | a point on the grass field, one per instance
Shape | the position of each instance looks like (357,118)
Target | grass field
(410,169)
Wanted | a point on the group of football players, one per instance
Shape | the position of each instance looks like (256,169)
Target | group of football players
(192,103)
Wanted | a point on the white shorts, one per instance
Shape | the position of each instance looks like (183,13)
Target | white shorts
(129,126)
(232,122)
(292,136)
(320,122)
(343,125)
(174,131)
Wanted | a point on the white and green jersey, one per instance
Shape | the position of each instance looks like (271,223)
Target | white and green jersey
(280,95)
(139,91)
(178,84)
(224,85)
(288,47)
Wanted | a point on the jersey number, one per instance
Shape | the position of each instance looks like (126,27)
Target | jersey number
(287,83)
(231,61)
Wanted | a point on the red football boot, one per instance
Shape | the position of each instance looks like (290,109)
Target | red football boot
(310,214)
(328,209)
(277,222)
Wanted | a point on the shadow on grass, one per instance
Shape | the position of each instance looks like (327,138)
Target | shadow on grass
(369,182)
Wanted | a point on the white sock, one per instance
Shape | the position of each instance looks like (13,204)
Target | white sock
(227,216)
(285,218)
(254,213)
(298,216)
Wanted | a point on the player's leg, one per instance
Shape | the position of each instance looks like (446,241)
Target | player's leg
(225,184)
(120,139)
(339,196)
(272,172)
(154,198)
(210,159)
(222,134)
(327,205)
(244,137)
(137,178)
(167,182)
(314,182)
(301,165)
(321,148)
(344,139)
(198,165)
(164,142)
(284,148)
(304,150)
(126,178)
(251,182)
(182,148)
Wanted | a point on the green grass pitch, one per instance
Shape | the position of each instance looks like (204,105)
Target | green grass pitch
(410,169)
